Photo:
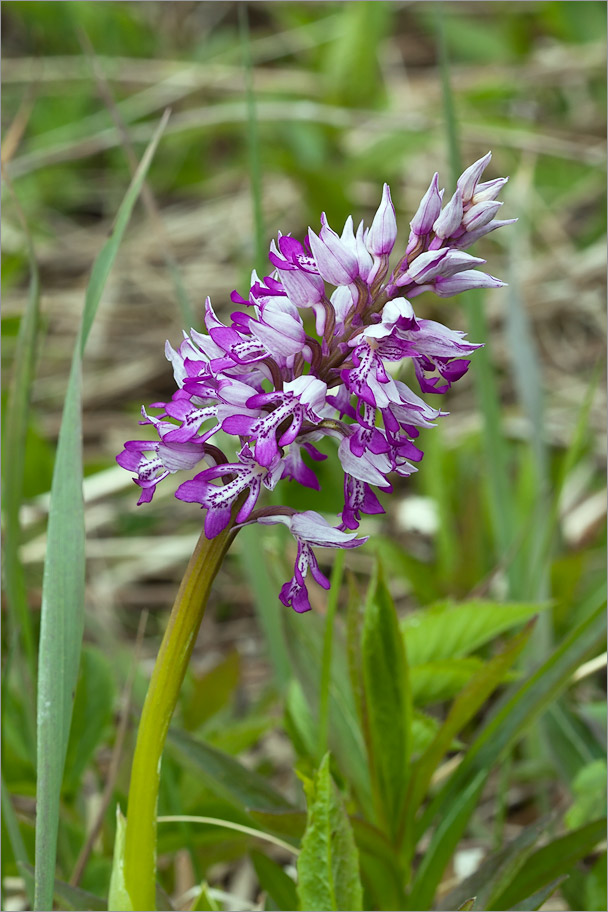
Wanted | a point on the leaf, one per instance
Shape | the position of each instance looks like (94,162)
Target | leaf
(70,898)
(539,898)
(423,731)
(211,691)
(229,778)
(387,701)
(509,721)
(467,905)
(204,902)
(450,630)
(305,643)
(13,457)
(11,823)
(549,862)
(328,864)
(118,897)
(497,869)
(589,789)
(272,878)
(461,712)
(92,711)
(432,682)
(299,723)
(62,611)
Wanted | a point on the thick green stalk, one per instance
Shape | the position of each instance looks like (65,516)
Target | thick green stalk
(163,691)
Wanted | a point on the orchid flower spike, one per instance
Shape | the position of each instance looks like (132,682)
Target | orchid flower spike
(276,388)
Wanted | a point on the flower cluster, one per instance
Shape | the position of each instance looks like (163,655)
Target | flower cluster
(278,387)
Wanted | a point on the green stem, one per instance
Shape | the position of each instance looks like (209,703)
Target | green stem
(163,691)
(332,604)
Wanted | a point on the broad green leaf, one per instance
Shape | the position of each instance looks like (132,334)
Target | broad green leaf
(272,878)
(467,905)
(423,731)
(380,868)
(239,735)
(328,864)
(118,897)
(589,789)
(550,862)
(211,691)
(432,682)
(229,778)
(468,702)
(92,711)
(62,611)
(387,701)
(509,721)
(451,630)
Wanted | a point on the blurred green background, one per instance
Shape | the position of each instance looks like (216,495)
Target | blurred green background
(510,500)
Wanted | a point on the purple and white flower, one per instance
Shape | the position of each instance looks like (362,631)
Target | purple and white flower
(275,388)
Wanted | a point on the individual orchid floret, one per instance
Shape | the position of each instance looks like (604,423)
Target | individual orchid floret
(336,263)
(270,383)
(383,232)
(449,220)
(428,210)
(468,180)
(310,530)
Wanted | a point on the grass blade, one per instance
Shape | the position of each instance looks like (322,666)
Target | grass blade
(62,612)
(14,452)
(509,722)
(501,502)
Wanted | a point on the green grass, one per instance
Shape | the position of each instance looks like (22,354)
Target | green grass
(281,111)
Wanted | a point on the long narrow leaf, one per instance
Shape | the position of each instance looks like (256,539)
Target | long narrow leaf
(513,716)
(62,612)
(549,862)
(13,457)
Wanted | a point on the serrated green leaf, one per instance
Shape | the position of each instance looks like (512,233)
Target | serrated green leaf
(432,682)
(211,691)
(272,878)
(62,610)
(388,702)
(92,710)
(550,862)
(240,786)
(450,630)
(328,864)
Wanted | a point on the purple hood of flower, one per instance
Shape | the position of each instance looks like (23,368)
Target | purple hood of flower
(265,379)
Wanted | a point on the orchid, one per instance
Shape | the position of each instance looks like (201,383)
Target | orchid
(276,384)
